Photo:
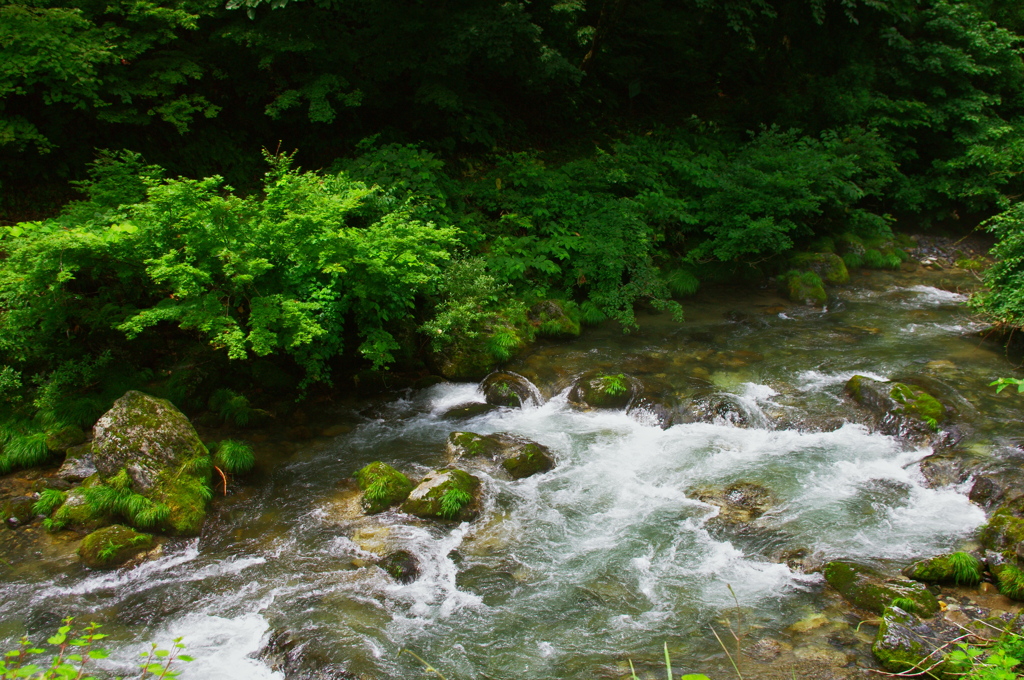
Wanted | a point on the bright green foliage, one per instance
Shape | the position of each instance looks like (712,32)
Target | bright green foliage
(904,603)
(234,409)
(614,385)
(452,502)
(234,456)
(382,486)
(49,500)
(280,273)
(1002,383)
(1004,298)
(117,499)
(966,569)
(1011,581)
(22,446)
(71,653)
(998,662)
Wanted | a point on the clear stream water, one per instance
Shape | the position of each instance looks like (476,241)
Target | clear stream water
(572,573)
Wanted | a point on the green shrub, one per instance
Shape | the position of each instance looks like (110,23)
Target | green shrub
(452,502)
(234,456)
(49,500)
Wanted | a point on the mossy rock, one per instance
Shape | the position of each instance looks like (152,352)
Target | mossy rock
(1008,575)
(739,502)
(78,464)
(804,287)
(917,403)
(1003,531)
(468,360)
(505,388)
(401,565)
(445,495)
(953,569)
(829,267)
(904,642)
(467,411)
(516,456)
(383,486)
(153,442)
(17,511)
(867,589)
(77,512)
(112,546)
(899,408)
(553,321)
(604,390)
(64,438)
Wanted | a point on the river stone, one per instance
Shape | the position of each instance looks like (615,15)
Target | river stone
(467,411)
(804,287)
(950,467)
(17,511)
(867,589)
(515,456)
(401,565)
(112,546)
(156,445)
(898,408)
(551,320)
(505,388)
(1001,485)
(426,499)
(383,486)
(78,464)
(738,502)
(828,266)
(603,391)
(953,569)
(64,438)
(905,642)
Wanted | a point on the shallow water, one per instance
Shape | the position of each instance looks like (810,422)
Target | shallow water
(570,573)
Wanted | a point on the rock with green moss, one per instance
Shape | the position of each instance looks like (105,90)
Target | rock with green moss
(552,320)
(445,494)
(17,511)
(957,568)
(1004,530)
(505,388)
(804,287)
(383,487)
(603,390)
(78,464)
(867,589)
(466,360)
(77,512)
(64,438)
(898,408)
(151,443)
(501,453)
(904,642)
(467,411)
(112,546)
(401,565)
(737,503)
(829,267)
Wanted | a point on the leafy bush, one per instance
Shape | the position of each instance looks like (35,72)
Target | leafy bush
(234,456)
(1003,299)
(453,501)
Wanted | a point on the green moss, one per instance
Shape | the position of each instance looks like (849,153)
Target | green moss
(958,568)
(805,287)
(603,391)
(829,267)
(918,403)
(530,460)
(383,486)
(555,319)
(1010,579)
(427,498)
(112,546)
(472,445)
(65,438)
(871,591)
(1004,530)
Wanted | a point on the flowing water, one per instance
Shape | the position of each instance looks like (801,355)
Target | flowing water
(571,573)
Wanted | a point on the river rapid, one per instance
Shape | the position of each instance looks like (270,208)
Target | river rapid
(574,573)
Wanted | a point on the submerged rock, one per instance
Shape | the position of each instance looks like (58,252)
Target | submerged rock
(898,408)
(804,287)
(515,456)
(151,446)
(603,390)
(739,502)
(867,589)
(467,411)
(950,467)
(112,546)
(505,388)
(383,486)
(401,565)
(447,495)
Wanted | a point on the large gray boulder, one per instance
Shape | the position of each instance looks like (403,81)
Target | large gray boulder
(148,447)
(499,454)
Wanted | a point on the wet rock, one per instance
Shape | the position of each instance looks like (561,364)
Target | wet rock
(112,546)
(515,456)
(78,464)
(739,502)
(950,467)
(505,388)
(551,320)
(401,565)
(467,411)
(715,407)
(17,511)
(829,267)
(65,438)
(899,409)
(383,487)
(446,495)
(151,446)
(958,568)
(804,287)
(999,484)
(603,390)
(867,589)
(905,642)
(764,650)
